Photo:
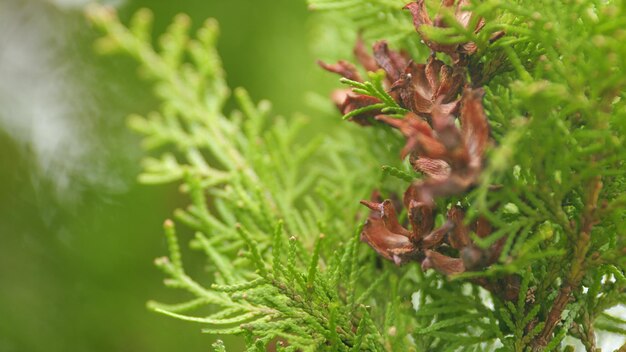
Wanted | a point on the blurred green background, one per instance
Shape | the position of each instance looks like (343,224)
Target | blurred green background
(77,233)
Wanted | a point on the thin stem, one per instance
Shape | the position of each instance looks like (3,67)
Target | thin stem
(577,269)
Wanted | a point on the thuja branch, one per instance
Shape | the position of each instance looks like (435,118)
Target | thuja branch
(253,182)
(577,268)
(522,213)
(513,157)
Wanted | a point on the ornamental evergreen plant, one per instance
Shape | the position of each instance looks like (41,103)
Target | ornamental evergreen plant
(489,160)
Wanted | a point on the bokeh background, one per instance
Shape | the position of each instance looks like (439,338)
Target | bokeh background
(78,235)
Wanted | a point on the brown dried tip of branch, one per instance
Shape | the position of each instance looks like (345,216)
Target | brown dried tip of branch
(342,68)
(385,235)
(433,168)
(474,125)
(392,62)
(347,101)
(394,242)
(450,157)
(420,87)
(420,136)
(460,238)
(437,237)
(421,215)
(425,89)
(442,263)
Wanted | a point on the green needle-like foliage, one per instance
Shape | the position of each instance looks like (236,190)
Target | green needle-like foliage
(277,216)
(274,214)
(374,88)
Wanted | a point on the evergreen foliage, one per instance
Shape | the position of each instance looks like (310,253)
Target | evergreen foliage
(277,217)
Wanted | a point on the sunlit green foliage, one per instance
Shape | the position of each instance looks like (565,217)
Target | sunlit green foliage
(277,215)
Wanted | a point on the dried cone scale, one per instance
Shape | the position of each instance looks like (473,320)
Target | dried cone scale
(451,160)
(447,134)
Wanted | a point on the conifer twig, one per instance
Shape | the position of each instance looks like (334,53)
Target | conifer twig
(577,271)
(488,201)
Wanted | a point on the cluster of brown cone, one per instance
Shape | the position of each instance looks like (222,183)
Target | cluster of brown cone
(450,155)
